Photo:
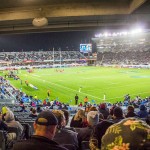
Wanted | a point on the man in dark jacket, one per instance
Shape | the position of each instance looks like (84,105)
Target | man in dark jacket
(45,128)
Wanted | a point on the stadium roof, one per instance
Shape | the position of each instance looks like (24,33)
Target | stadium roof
(16,16)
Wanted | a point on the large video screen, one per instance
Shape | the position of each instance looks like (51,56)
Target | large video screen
(85,48)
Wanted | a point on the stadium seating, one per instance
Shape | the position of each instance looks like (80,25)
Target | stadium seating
(42,56)
(16,131)
(2,140)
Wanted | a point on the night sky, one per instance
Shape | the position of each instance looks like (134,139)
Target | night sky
(45,41)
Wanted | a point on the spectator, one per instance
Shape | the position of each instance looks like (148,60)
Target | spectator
(39,110)
(33,114)
(103,110)
(99,131)
(85,133)
(142,113)
(111,112)
(130,112)
(66,114)
(117,114)
(79,120)
(4,111)
(92,109)
(23,109)
(101,117)
(10,121)
(31,110)
(3,126)
(80,105)
(45,128)
(128,134)
(44,102)
(64,136)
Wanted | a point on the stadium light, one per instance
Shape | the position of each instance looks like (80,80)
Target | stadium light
(114,34)
(137,30)
(98,35)
(123,33)
(106,34)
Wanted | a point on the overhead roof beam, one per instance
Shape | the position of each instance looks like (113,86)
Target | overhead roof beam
(64,10)
(135,4)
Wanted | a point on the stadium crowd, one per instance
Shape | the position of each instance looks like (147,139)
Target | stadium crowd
(90,127)
(40,56)
(124,57)
(53,125)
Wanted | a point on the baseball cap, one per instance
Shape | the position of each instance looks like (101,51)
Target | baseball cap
(46,118)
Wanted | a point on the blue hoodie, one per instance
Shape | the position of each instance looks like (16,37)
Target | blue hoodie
(142,113)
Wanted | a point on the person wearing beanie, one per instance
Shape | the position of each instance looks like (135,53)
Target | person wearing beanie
(45,127)
(143,112)
(10,121)
(85,133)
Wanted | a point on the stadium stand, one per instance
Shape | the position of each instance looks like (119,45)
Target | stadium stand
(116,113)
(27,122)
(123,50)
(40,56)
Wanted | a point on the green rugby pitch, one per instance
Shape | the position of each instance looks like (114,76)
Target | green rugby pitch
(95,82)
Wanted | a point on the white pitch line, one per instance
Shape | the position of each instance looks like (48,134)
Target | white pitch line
(89,94)
(69,88)
(36,75)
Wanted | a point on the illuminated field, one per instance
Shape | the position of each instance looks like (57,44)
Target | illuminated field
(95,82)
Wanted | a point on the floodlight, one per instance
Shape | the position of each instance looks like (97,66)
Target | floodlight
(114,34)
(137,30)
(124,33)
(106,34)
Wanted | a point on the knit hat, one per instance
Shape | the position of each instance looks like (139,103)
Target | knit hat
(142,107)
(129,134)
(5,110)
(93,118)
(46,118)
(9,116)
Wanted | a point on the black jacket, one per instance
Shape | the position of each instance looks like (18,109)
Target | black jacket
(64,136)
(84,134)
(37,143)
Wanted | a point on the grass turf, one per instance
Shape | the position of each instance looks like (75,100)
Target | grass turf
(95,82)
